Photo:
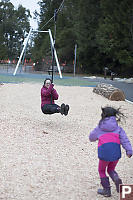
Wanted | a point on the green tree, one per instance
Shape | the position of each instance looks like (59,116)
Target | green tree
(65,35)
(101,29)
(14,25)
(86,26)
(114,35)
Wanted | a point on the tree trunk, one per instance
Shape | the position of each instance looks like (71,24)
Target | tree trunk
(110,92)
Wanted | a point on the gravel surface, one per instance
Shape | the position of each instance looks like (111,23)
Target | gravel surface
(49,157)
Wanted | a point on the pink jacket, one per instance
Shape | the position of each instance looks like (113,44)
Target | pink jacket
(46,94)
(110,137)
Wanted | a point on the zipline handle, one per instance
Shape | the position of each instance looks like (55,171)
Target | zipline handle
(55,15)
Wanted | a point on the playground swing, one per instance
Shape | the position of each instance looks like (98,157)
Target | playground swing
(52,47)
(48,93)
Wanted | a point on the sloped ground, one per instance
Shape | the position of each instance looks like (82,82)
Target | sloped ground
(49,157)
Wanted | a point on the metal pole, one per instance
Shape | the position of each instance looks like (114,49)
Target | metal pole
(39,31)
(52,64)
(55,54)
(53,57)
(22,53)
(75,59)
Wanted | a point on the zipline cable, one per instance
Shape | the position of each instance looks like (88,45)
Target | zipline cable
(53,15)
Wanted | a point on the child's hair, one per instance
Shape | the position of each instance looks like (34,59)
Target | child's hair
(46,80)
(109,111)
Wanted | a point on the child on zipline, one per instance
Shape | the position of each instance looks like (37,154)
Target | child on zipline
(110,136)
(48,95)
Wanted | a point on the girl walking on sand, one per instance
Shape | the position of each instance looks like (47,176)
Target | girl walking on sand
(110,136)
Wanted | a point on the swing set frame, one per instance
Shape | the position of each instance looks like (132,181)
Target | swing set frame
(52,47)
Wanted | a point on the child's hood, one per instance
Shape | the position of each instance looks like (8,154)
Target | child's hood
(108,124)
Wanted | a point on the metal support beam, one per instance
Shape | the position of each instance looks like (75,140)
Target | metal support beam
(55,54)
(27,39)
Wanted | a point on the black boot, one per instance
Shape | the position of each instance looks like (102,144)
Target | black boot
(62,110)
(66,109)
(106,191)
(114,176)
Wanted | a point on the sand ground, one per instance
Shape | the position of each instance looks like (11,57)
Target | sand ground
(49,157)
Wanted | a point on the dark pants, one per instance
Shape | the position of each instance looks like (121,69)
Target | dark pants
(50,108)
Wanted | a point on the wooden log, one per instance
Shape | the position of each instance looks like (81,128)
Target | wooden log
(110,92)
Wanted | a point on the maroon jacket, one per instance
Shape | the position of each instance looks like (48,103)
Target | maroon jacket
(46,95)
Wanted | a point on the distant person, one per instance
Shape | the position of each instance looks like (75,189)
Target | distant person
(48,96)
(110,136)
(112,75)
(105,72)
